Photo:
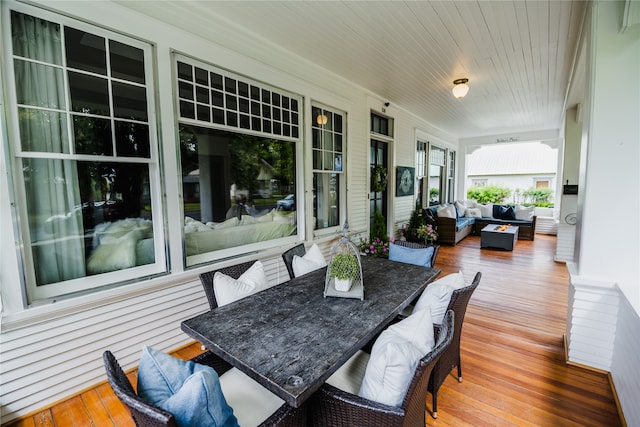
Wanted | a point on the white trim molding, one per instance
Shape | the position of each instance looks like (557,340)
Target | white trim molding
(592,316)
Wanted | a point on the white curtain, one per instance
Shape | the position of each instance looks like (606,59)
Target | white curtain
(51,185)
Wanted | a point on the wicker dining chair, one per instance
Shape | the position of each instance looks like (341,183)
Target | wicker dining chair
(416,245)
(234,271)
(147,415)
(288,255)
(451,357)
(332,407)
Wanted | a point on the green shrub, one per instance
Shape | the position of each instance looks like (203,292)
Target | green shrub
(488,194)
(379,227)
(416,220)
(433,194)
(538,196)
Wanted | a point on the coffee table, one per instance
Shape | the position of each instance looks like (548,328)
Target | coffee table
(492,237)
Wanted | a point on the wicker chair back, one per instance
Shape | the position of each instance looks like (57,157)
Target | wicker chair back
(146,415)
(332,407)
(143,414)
(234,271)
(451,358)
(288,255)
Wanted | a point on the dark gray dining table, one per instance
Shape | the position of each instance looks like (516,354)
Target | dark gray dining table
(290,338)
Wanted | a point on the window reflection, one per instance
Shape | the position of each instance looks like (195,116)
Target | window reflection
(238,189)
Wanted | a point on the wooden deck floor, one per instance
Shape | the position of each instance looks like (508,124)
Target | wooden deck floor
(513,356)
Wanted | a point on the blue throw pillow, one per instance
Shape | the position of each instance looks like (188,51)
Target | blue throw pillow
(508,213)
(190,391)
(497,211)
(420,256)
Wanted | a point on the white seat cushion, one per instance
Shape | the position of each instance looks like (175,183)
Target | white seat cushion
(251,403)
(349,376)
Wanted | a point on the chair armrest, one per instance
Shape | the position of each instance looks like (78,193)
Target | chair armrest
(331,403)
(216,362)
(287,416)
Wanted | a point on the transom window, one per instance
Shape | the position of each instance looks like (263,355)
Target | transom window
(381,125)
(85,155)
(219,97)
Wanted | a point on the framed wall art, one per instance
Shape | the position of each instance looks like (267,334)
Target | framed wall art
(405,181)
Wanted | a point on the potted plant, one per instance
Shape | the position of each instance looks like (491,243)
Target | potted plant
(428,233)
(344,268)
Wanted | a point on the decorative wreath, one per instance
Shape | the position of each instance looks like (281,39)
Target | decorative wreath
(379,179)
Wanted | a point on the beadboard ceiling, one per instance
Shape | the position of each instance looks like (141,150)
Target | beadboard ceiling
(517,55)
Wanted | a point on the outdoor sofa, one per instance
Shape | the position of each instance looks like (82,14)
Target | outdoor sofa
(455,221)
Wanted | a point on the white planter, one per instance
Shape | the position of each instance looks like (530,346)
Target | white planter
(342,285)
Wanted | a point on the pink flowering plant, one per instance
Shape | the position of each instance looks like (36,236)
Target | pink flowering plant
(376,247)
(409,234)
(427,232)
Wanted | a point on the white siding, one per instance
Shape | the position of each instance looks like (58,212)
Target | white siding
(565,242)
(591,323)
(46,361)
(625,366)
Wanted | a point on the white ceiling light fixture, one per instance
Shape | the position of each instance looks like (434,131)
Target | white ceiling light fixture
(460,88)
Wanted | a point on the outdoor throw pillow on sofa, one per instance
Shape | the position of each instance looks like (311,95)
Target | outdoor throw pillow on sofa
(311,261)
(447,211)
(486,211)
(504,212)
(525,213)
(191,392)
(421,256)
(394,358)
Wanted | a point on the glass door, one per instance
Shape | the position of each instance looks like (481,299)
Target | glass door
(378,188)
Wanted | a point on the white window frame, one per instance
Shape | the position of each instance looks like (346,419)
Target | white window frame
(342,200)
(537,180)
(87,283)
(199,259)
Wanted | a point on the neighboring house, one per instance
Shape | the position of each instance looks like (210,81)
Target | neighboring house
(60,312)
(517,166)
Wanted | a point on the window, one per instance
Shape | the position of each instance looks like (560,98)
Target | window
(437,167)
(421,169)
(215,97)
(381,125)
(85,155)
(541,183)
(328,148)
(451,175)
(237,153)
(435,173)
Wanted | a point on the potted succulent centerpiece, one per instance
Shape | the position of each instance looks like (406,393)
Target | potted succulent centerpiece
(344,269)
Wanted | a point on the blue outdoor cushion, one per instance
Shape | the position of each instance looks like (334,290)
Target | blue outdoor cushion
(463,222)
(190,391)
(504,212)
(420,256)
(508,212)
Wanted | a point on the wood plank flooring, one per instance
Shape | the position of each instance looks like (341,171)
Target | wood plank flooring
(514,370)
